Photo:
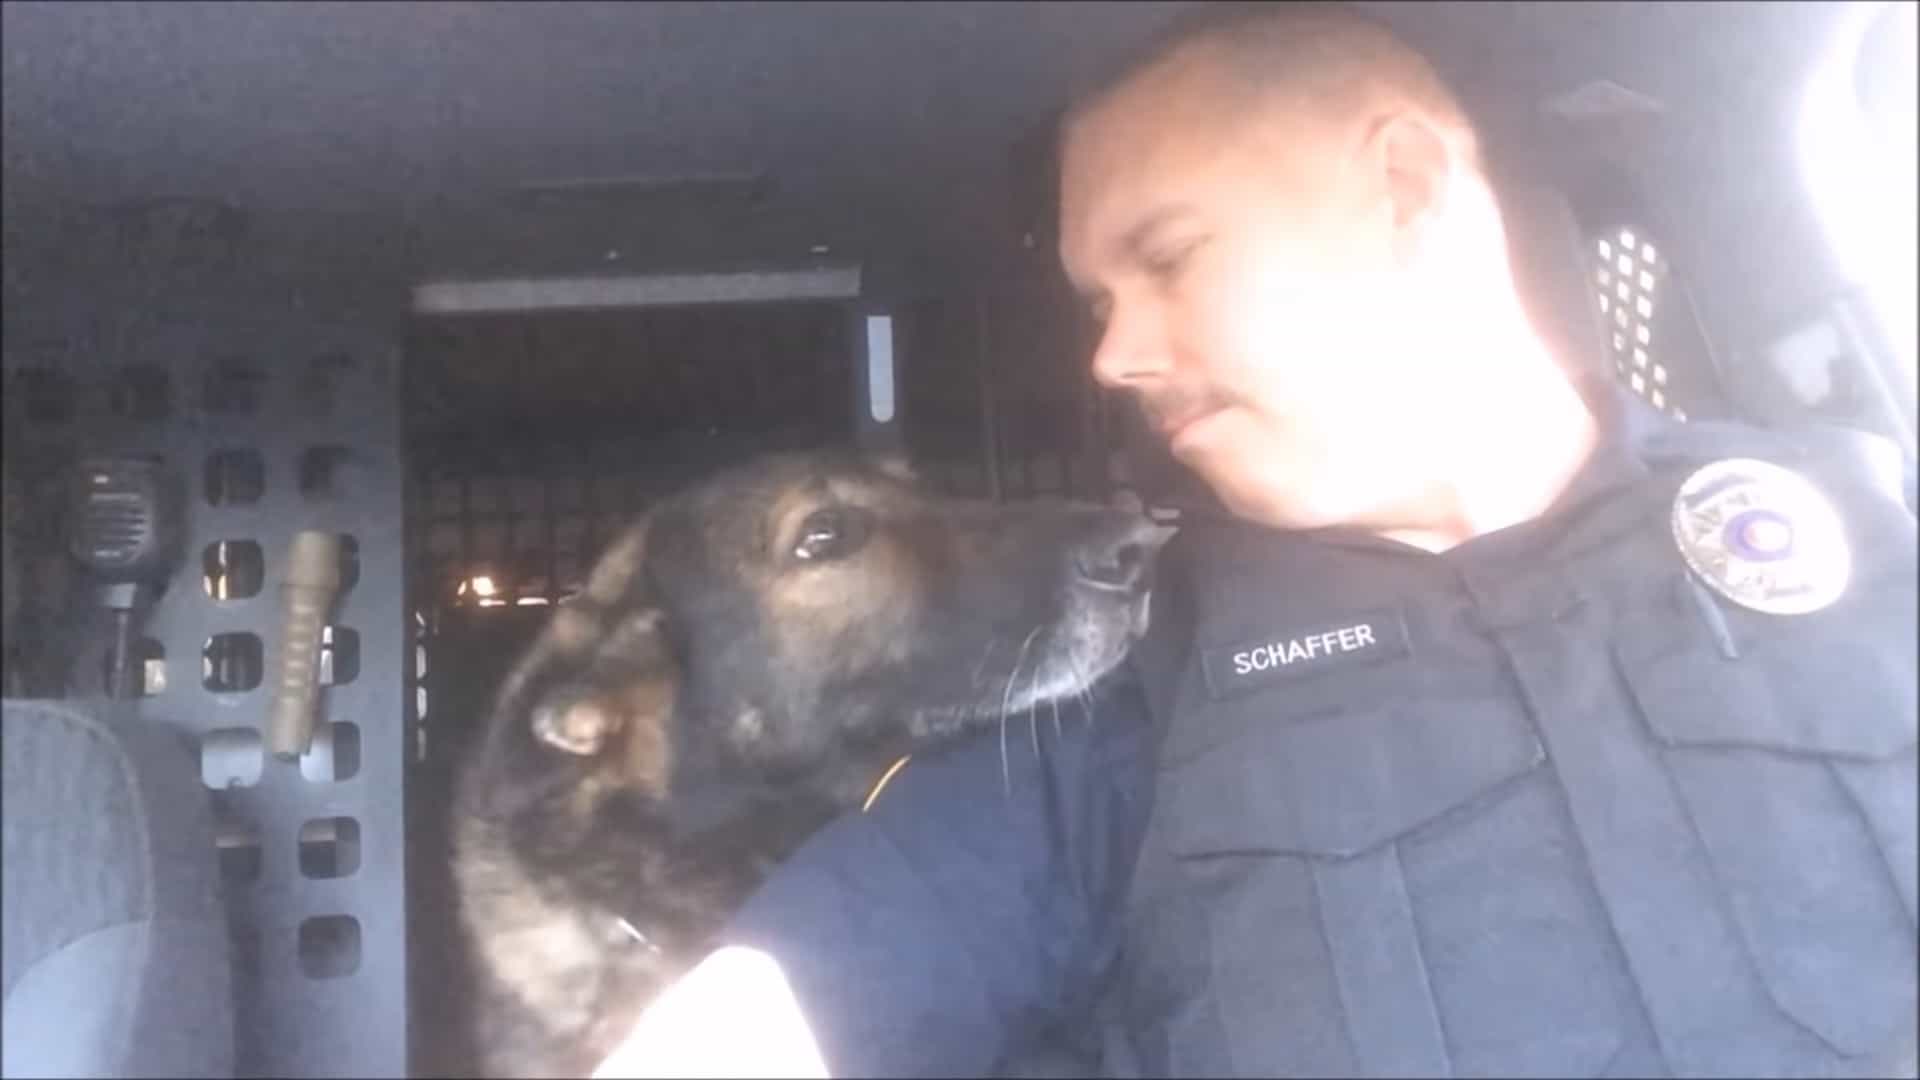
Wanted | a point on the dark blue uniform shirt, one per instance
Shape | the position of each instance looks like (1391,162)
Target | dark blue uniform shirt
(981,899)
(972,905)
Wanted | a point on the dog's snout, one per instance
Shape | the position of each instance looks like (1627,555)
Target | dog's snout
(1117,568)
(1118,557)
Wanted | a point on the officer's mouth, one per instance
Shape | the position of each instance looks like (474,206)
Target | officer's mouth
(1185,433)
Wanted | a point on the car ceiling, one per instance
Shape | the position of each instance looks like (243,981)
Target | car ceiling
(892,121)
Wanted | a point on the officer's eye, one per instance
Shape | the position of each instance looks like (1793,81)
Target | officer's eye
(832,534)
(1163,264)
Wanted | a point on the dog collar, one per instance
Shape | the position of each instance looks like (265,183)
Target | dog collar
(624,926)
(884,777)
(631,932)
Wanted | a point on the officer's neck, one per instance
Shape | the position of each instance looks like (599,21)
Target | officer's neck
(1510,450)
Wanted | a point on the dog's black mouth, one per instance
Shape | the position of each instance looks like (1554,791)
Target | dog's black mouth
(1064,660)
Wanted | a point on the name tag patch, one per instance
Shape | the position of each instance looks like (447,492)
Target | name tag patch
(1363,638)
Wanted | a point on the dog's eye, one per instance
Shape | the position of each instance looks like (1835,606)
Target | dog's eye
(830,534)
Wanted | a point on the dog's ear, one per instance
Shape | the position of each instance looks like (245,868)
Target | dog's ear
(574,727)
(618,713)
(599,682)
(627,686)
(620,572)
(581,624)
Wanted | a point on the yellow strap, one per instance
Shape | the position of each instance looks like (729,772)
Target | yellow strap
(884,777)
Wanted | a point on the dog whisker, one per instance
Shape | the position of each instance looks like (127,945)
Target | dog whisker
(1006,699)
(1006,777)
(1033,710)
(1084,693)
(1006,780)
(1019,661)
(986,654)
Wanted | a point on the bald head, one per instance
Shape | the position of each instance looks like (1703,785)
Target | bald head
(1326,65)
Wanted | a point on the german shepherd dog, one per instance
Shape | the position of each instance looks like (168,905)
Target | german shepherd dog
(741,666)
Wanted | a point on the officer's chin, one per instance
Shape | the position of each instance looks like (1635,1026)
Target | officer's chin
(1253,482)
(1251,493)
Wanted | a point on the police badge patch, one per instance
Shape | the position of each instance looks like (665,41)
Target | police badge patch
(1762,537)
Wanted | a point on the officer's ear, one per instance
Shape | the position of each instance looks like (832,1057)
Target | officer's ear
(1412,164)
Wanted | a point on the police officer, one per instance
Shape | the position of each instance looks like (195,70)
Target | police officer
(1494,728)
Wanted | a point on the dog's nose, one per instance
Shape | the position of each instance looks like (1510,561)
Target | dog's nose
(1118,557)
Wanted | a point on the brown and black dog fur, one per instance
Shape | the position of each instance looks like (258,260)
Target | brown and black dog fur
(742,665)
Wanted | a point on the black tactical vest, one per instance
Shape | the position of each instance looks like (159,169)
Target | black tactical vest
(1540,806)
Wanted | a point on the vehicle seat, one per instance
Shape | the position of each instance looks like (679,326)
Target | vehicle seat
(115,948)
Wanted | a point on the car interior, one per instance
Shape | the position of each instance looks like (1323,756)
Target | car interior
(359,329)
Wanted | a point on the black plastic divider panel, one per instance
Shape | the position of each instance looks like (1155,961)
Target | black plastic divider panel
(327,909)
(280,418)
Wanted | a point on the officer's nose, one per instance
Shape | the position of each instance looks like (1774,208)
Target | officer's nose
(1117,556)
(1134,351)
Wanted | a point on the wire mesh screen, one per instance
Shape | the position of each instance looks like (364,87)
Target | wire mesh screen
(1000,404)
(533,439)
(521,525)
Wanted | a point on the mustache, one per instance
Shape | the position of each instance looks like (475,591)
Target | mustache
(1169,405)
